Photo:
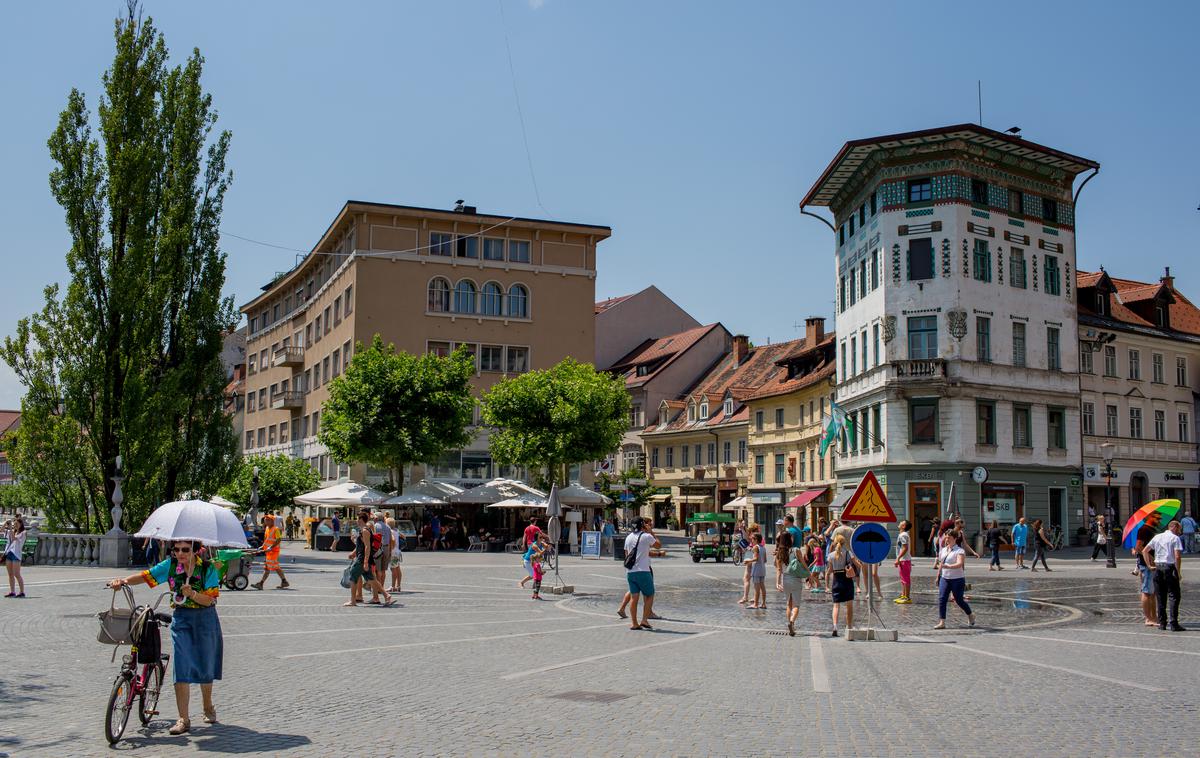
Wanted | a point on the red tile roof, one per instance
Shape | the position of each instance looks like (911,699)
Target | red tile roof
(760,367)
(9,421)
(604,305)
(1182,314)
(657,354)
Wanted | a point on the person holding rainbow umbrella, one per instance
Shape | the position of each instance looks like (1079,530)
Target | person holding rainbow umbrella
(1141,527)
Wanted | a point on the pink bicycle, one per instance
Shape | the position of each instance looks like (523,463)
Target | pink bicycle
(142,671)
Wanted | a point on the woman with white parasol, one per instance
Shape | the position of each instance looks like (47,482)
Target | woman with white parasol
(193,578)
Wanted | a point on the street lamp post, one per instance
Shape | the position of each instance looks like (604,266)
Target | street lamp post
(1106,452)
(254,496)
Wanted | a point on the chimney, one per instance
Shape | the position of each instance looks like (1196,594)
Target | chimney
(741,348)
(814,330)
(1168,280)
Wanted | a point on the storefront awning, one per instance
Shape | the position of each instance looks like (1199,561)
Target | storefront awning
(660,498)
(806,497)
(840,501)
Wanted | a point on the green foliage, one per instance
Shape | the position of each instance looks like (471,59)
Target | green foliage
(641,492)
(566,414)
(280,479)
(128,355)
(390,409)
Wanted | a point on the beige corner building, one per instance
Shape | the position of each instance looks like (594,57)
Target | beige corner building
(518,292)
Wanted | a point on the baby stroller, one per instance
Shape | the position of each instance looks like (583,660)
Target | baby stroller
(237,565)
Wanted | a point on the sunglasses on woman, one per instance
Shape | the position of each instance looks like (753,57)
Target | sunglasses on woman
(184,549)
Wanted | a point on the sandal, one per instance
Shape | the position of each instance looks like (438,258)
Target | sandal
(257,585)
(210,715)
(181,726)
(644,625)
(791,629)
(283,586)
(622,614)
(350,604)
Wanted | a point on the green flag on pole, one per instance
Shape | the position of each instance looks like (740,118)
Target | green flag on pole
(837,420)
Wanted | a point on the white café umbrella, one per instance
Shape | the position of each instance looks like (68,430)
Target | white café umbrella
(520,501)
(425,492)
(346,493)
(218,500)
(578,495)
(197,520)
(495,491)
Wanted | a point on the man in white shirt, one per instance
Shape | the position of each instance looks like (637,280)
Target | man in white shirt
(1164,556)
(639,575)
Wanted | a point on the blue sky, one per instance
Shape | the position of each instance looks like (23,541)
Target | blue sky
(692,129)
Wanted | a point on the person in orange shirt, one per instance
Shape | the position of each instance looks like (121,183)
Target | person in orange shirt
(270,548)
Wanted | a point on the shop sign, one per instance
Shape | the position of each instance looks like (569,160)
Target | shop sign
(1002,509)
(1173,476)
(727,485)
(767,498)
(1076,481)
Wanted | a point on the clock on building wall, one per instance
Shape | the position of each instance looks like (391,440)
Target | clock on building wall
(979,474)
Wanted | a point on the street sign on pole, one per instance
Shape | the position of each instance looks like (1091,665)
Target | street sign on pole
(869,503)
(871,543)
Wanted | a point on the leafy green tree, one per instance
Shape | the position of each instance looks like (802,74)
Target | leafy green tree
(133,342)
(280,479)
(390,409)
(552,418)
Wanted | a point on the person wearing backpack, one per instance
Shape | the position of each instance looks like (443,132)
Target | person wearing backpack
(795,574)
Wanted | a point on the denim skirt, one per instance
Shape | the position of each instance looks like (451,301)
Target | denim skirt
(196,638)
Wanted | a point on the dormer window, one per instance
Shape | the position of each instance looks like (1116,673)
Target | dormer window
(662,416)
(1101,303)
(704,410)
(1161,316)
(691,412)
(728,406)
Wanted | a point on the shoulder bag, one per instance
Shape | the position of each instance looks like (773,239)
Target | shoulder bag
(851,572)
(116,624)
(631,559)
(796,567)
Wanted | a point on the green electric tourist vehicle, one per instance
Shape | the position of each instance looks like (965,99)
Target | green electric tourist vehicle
(710,535)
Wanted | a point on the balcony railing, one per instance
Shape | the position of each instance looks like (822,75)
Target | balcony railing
(288,356)
(927,368)
(291,399)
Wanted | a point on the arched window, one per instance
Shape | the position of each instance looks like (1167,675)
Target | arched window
(439,295)
(464,296)
(491,300)
(518,301)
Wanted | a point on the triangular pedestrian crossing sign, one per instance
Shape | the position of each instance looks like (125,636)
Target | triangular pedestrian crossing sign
(868,503)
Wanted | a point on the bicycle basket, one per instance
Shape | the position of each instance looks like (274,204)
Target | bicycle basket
(116,624)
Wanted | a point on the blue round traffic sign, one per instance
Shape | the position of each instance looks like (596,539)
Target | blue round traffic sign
(871,543)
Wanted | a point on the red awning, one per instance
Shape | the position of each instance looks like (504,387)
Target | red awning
(806,497)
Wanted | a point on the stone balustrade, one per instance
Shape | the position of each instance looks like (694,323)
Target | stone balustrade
(68,549)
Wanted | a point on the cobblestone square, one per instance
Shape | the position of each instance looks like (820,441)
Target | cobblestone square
(468,664)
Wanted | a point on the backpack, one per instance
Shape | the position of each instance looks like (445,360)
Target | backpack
(376,543)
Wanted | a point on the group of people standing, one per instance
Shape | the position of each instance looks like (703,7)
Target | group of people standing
(377,550)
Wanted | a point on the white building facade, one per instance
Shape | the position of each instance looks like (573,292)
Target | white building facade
(956,324)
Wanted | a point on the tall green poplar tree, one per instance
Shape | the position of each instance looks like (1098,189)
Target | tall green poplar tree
(131,346)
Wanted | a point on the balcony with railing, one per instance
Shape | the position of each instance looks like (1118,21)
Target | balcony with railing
(920,368)
(290,400)
(288,356)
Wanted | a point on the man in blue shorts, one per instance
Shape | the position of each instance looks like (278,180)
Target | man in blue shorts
(638,574)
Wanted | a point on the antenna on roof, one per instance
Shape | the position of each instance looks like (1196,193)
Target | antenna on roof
(979,92)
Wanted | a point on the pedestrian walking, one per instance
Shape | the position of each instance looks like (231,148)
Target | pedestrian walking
(384,561)
(530,535)
(538,573)
(795,575)
(270,550)
(533,552)
(1100,547)
(639,575)
(780,558)
(435,532)
(747,563)
(363,572)
(396,557)
(14,547)
(758,571)
(1041,543)
(1164,556)
(196,638)
(992,540)
(336,524)
(952,578)
(1189,533)
(904,564)
(1145,534)
(1020,534)
(816,565)
(843,567)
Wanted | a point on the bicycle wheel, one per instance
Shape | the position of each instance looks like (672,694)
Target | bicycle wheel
(148,700)
(120,700)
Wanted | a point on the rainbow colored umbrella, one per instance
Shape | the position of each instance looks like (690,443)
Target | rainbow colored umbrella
(1166,510)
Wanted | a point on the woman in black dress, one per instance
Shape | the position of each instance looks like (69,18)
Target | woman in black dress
(840,569)
(1041,544)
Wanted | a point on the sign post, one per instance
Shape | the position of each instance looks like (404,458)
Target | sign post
(871,544)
